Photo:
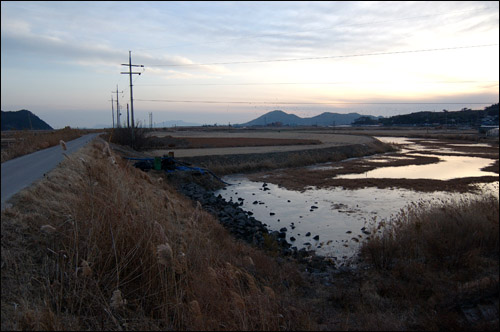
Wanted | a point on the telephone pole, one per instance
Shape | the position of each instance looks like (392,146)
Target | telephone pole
(118,125)
(128,121)
(130,65)
(112,111)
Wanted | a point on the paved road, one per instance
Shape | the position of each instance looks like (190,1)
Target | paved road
(21,172)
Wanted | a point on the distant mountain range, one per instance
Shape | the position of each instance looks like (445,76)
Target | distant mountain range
(280,118)
(23,119)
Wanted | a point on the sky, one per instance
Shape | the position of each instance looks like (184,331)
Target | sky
(231,62)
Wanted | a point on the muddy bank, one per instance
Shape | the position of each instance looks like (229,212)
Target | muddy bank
(329,175)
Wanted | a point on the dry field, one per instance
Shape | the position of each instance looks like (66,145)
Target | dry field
(225,142)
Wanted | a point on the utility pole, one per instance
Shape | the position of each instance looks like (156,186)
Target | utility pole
(112,111)
(118,125)
(128,121)
(130,65)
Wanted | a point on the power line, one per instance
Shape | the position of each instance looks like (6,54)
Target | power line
(307,103)
(312,83)
(322,57)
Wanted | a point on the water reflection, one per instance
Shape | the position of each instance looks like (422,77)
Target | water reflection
(341,217)
(449,167)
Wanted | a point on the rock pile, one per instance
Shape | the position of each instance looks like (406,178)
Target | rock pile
(238,221)
(241,223)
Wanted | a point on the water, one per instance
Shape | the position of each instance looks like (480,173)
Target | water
(449,167)
(342,217)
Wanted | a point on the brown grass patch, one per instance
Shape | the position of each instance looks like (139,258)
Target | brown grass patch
(435,262)
(102,246)
(22,142)
(169,142)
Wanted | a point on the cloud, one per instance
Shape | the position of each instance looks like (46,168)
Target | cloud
(18,38)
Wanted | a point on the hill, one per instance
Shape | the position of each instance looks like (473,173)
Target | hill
(465,117)
(280,118)
(23,119)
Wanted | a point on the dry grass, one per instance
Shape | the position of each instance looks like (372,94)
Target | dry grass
(25,141)
(155,142)
(433,263)
(100,245)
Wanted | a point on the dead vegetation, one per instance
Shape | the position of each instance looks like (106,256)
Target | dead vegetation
(22,142)
(169,142)
(438,264)
(100,245)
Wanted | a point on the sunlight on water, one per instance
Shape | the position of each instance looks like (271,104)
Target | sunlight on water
(450,167)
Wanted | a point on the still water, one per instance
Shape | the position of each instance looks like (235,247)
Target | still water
(341,217)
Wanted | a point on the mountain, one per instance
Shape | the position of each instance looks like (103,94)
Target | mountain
(23,119)
(274,117)
(280,118)
(331,119)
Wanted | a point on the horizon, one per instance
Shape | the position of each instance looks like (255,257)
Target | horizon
(231,62)
(181,123)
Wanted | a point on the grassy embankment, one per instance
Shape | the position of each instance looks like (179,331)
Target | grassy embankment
(100,245)
(23,142)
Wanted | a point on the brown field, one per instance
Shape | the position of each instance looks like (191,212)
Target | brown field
(297,140)
(221,142)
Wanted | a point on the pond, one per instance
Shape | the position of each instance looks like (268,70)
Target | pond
(334,221)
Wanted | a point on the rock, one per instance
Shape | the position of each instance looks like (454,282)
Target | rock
(308,234)
(283,229)
(292,238)
(316,237)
